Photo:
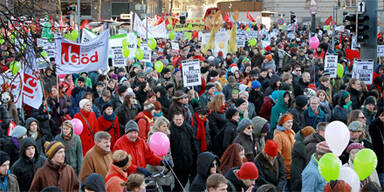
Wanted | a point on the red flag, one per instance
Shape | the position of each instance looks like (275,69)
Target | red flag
(250,18)
(351,54)
(328,21)
(226,17)
(84,24)
(159,19)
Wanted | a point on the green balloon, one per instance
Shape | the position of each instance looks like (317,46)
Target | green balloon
(340,70)
(169,26)
(138,42)
(172,35)
(190,27)
(126,52)
(125,43)
(152,43)
(44,54)
(365,163)
(252,42)
(14,67)
(188,35)
(2,41)
(159,66)
(139,54)
(329,167)
(248,30)
(74,34)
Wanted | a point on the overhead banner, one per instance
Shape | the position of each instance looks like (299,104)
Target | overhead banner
(117,41)
(85,57)
(331,65)
(221,41)
(363,70)
(158,31)
(32,91)
(191,73)
(87,35)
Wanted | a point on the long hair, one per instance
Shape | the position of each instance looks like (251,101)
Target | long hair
(231,157)
(59,92)
(159,122)
(318,92)
(354,115)
(217,102)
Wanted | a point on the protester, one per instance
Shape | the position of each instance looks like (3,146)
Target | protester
(242,178)
(246,138)
(298,113)
(94,182)
(201,130)
(135,183)
(233,156)
(228,133)
(313,114)
(127,111)
(11,145)
(117,171)
(376,132)
(36,133)
(8,180)
(109,122)
(145,120)
(207,164)
(281,107)
(216,182)
(313,139)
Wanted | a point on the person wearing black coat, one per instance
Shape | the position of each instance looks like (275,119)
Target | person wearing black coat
(44,117)
(207,164)
(302,84)
(6,119)
(298,113)
(242,178)
(274,84)
(94,182)
(183,149)
(127,111)
(229,130)
(377,134)
(27,164)
(36,134)
(355,90)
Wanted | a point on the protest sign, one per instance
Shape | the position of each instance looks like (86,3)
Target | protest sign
(147,53)
(363,70)
(380,50)
(331,65)
(175,45)
(158,31)
(354,44)
(240,39)
(118,59)
(32,91)
(191,73)
(85,57)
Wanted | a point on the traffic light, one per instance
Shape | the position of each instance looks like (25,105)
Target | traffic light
(183,17)
(351,25)
(362,28)
(293,18)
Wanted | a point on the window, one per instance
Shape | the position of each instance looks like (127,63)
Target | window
(119,8)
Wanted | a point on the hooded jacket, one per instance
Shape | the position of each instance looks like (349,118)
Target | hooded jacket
(272,85)
(41,135)
(355,98)
(266,108)
(229,135)
(312,180)
(298,162)
(310,143)
(280,108)
(248,142)
(95,182)
(234,184)
(62,176)
(285,140)
(271,174)
(144,120)
(204,162)
(25,167)
(73,150)
(258,124)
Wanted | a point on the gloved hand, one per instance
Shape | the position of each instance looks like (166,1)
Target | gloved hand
(167,163)
(144,171)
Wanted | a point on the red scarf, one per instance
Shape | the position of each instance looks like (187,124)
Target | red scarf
(200,134)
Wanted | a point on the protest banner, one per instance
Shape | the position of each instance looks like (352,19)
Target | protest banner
(191,73)
(85,57)
(87,35)
(363,70)
(49,49)
(331,65)
(32,91)
(118,59)
(240,39)
(380,50)
(158,31)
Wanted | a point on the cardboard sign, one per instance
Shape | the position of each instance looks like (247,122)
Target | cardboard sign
(147,53)
(380,50)
(191,73)
(175,45)
(331,65)
(363,70)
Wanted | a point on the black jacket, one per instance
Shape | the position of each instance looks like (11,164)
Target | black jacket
(248,144)
(41,137)
(256,97)
(229,134)
(299,87)
(25,168)
(298,119)
(125,113)
(310,143)
(95,182)
(204,162)
(234,184)
(355,98)
(217,121)
(376,130)
(271,174)
(6,119)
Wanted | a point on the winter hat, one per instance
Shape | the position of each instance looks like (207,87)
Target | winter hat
(312,86)
(179,94)
(301,101)
(354,146)
(259,123)
(105,106)
(284,118)
(248,171)
(81,79)
(209,85)
(52,147)
(271,148)
(18,131)
(370,100)
(114,76)
(243,124)
(203,110)
(356,126)
(231,79)
(239,101)
(269,57)
(131,126)
(230,113)
(337,186)
(274,95)
(94,182)
(255,84)
(265,128)
(83,102)
(3,157)
(120,70)
(148,107)
(306,131)
(122,89)
(322,148)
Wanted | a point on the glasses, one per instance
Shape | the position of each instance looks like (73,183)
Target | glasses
(214,164)
(362,117)
(249,127)
(298,69)
(314,103)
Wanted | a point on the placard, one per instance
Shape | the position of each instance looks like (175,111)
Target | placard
(118,59)
(363,70)
(191,73)
(380,50)
(175,45)
(331,65)
(147,53)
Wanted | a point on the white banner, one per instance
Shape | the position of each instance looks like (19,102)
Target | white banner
(380,50)
(191,73)
(221,42)
(331,65)
(117,41)
(74,58)
(158,31)
(32,91)
(87,35)
(363,70)
(49,49)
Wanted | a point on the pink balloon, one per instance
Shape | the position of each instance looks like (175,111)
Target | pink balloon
(159,144)
(314,43)
(77,126)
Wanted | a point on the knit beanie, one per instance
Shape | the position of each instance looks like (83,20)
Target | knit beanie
(337,186)
(239,101)
(301,101)
(121,89)
(243,124)
(248,171)
(274,95)
(83,102)
(18,131)
(284,118)
(354,146)
(230,113)
(370,100)
(255,84)
(355,126)
(322,148)
(131,126)
(52,147)
(3,157)
(306,131)
(271,148)
(105,106)
(259,123)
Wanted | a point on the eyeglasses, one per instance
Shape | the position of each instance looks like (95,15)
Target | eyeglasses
(298,70)
(249,127)
(214,164)
(314,103)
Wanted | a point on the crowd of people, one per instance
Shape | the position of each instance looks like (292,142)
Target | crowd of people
(256,122)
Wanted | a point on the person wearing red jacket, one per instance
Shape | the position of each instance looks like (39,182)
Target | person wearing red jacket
(145,120)
(90,124)
(139,150)
(109,122)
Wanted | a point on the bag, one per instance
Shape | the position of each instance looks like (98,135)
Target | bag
(89,126)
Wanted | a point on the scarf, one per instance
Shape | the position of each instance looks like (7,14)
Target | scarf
(347,105)
(33,135)
(155,115)
(111,117)
(4,182)
(200,134)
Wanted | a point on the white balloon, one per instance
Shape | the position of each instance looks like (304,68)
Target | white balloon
(337,137)
(349,175)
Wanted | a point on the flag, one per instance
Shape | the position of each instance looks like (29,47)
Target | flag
(85,24)
(328,21)
(351,54)
(250,18)
(32,91)
(159,19)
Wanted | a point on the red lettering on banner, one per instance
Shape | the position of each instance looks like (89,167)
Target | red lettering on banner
(70,55)
(30,85)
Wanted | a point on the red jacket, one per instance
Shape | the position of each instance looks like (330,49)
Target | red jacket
(86,136)
(266,108)
(105,125)
(144,121)
(115,176)
(139,151)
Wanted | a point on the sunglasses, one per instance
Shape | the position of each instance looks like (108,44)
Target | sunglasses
(249,127)
(214,164)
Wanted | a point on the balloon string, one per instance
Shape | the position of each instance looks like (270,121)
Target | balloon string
(174,174)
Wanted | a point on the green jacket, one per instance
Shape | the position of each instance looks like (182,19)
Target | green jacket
(73,151)
(279,109)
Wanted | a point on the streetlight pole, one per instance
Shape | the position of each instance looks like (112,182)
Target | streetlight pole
(78,19)
(146,21)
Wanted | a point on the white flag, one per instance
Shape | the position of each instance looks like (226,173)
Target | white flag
(87,35)
(32,91)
